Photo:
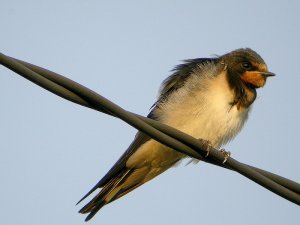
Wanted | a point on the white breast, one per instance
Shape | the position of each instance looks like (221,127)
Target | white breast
(205,112)
(201,109)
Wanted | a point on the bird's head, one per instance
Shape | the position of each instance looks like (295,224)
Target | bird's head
(248,66)
(247,71)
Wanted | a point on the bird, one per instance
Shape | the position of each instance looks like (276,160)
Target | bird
(207,98)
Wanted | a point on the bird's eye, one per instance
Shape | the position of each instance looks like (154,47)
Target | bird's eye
(247,65)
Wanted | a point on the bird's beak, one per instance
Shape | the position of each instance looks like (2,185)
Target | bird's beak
(256,78)
(267,74)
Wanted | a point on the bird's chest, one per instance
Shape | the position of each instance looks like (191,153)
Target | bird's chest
(207,114)
(218,124)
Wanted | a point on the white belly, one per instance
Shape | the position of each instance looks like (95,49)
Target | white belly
(207,114)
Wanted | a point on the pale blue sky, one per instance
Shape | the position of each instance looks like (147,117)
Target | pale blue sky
(53,151)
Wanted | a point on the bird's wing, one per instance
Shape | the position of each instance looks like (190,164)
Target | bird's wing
(171,84)
(119,172)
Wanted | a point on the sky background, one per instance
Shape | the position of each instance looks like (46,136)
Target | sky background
(54,151)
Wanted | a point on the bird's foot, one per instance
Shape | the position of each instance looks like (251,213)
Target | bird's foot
(226,155)
(207,145)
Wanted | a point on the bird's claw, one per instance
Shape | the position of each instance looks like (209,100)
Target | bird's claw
(226,155)
(207,144)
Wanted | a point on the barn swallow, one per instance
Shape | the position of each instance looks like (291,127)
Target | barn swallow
(207,98)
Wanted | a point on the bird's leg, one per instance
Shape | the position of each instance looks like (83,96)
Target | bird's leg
(206,145)
(226,155)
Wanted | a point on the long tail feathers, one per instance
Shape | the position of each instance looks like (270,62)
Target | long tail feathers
(110,192)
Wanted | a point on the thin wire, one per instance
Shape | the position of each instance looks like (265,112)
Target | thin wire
(186,139)
(171,137)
